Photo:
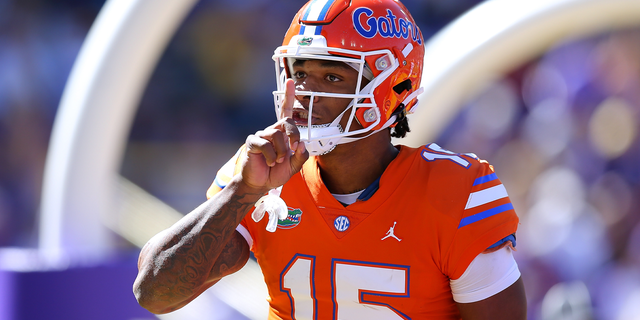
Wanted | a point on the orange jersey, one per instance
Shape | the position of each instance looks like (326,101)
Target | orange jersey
(390,256)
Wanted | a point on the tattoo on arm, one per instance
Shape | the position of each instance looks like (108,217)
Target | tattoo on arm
(200,249)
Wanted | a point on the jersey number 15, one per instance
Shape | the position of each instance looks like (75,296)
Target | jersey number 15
(355,284)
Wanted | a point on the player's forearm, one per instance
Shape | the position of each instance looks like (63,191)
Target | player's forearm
(178,264)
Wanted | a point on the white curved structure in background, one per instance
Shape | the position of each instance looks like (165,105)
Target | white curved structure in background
(495,37)
(93,122)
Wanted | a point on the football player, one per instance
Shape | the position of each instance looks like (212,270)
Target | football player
(357,228)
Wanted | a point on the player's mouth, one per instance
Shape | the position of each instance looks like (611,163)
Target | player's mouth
(301,117)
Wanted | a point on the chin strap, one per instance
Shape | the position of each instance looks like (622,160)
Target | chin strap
(313,138)
(396,116)
(413,95)
(317,146)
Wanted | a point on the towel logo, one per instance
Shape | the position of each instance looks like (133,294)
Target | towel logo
(292,220)
(390,233)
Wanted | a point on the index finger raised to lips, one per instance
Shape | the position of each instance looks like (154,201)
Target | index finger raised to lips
(286,111)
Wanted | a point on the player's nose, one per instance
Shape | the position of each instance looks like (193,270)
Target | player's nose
(307,86)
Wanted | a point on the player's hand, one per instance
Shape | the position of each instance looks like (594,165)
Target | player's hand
(276,153)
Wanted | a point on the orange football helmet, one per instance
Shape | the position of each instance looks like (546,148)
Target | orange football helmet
(380,40)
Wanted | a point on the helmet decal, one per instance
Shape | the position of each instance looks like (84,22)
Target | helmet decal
(316,11)
(305,41)
(385,26)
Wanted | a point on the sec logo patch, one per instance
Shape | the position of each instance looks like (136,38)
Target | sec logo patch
(341,223)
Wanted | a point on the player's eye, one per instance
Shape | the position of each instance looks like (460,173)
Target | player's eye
(298,75)
(332,78)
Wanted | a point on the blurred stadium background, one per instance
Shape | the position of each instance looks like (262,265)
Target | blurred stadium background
(561,129)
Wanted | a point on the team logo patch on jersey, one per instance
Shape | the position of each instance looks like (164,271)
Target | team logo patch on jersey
(292,220)
(341,223)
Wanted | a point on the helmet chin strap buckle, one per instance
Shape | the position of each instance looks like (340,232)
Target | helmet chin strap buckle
(314,143)
(400,113)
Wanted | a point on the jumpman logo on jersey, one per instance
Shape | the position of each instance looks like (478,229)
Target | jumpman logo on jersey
(391,234)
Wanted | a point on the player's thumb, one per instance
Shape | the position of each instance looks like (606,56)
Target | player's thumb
(299,157)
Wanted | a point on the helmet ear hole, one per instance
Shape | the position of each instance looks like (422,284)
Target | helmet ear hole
(402,86)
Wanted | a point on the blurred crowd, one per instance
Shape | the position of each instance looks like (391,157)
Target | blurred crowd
(562,132)
(39,41)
